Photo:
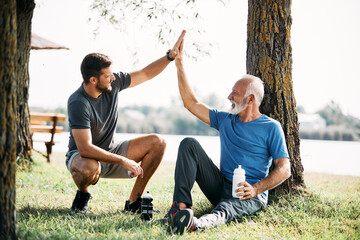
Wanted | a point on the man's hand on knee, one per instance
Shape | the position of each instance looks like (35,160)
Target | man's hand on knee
(133,167)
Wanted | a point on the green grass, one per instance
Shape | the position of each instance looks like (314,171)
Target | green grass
(328,209)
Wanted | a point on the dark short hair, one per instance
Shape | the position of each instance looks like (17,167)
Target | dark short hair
(92,64)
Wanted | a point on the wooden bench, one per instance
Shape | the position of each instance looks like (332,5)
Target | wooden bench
(46,123)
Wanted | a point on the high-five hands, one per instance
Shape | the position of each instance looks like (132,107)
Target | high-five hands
(176,49)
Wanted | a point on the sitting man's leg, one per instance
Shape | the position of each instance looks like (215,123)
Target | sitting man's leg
(192,165)
(228,209)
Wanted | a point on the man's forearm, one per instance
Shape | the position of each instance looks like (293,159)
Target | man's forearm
(278,175)
(156,67)
(187,94)
(99,154)
(148,72)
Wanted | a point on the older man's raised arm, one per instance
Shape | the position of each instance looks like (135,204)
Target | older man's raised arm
(188,97)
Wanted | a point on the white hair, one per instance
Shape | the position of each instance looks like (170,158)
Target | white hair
(255,87)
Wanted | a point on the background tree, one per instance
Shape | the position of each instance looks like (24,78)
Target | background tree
(7,118)
(24,14)
(15,28)
(269,56)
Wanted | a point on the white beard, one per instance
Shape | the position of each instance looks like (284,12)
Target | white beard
(238,107)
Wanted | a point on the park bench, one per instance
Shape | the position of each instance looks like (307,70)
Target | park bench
(46,123)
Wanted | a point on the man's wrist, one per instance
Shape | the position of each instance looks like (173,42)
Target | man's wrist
(256,189)
(120,159)
(168,56)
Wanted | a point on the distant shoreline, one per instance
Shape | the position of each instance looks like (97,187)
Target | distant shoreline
(331,157)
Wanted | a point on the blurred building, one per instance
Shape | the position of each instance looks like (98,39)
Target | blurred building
(311,121)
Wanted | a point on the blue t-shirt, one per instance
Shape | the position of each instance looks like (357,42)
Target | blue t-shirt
(253,145)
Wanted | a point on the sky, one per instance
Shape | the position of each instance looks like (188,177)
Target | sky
(325,39)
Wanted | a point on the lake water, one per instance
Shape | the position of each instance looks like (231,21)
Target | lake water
(334,157)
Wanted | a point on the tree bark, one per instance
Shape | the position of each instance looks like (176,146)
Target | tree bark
(269,57)
(8,41)
(24,11)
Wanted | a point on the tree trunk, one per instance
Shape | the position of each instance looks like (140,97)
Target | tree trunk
(269,57)
(8,125)
(24,13)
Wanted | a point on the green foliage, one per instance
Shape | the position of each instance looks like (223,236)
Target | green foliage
(22,163)
(339,127)
(135,16)
(334,133)
(333,115)
(329,209)
(177,120)
(171,120)
(174,119)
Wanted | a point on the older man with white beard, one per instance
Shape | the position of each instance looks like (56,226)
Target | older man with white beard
(248,138)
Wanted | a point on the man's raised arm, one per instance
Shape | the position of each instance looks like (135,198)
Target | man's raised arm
(156,67)
(188,97)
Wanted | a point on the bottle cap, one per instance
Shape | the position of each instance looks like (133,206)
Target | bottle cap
(147,195)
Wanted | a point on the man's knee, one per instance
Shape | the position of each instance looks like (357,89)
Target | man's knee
(88,170)
(158,142)
(187,150)
(187,143)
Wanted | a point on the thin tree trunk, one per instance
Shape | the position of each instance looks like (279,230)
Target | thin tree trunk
(269,56)
(24,13)
(8,40)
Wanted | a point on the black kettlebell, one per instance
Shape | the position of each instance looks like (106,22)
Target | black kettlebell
(147,207)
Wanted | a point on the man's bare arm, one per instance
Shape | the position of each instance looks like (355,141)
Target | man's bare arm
(156,67)
(188,97)
(86,149)
(149,72)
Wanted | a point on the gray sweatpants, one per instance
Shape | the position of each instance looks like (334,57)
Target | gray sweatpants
(192,165)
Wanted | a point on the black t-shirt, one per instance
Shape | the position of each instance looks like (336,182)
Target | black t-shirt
(98,114)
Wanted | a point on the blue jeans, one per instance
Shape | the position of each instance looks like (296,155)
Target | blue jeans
(192,165)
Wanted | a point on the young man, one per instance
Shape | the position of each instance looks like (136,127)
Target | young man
(248,138)
(93,150)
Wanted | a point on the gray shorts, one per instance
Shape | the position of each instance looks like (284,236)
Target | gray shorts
(107,170)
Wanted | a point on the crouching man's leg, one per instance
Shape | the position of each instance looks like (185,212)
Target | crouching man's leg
(84,172)
(149,150)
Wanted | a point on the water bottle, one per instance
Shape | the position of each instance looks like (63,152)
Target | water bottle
(239,176)
(147,207)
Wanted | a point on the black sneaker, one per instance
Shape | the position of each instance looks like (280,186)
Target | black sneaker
(170,214)
(80,202)
(134,206)
(183,220)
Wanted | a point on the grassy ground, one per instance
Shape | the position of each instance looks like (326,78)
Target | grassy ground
(329,209)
